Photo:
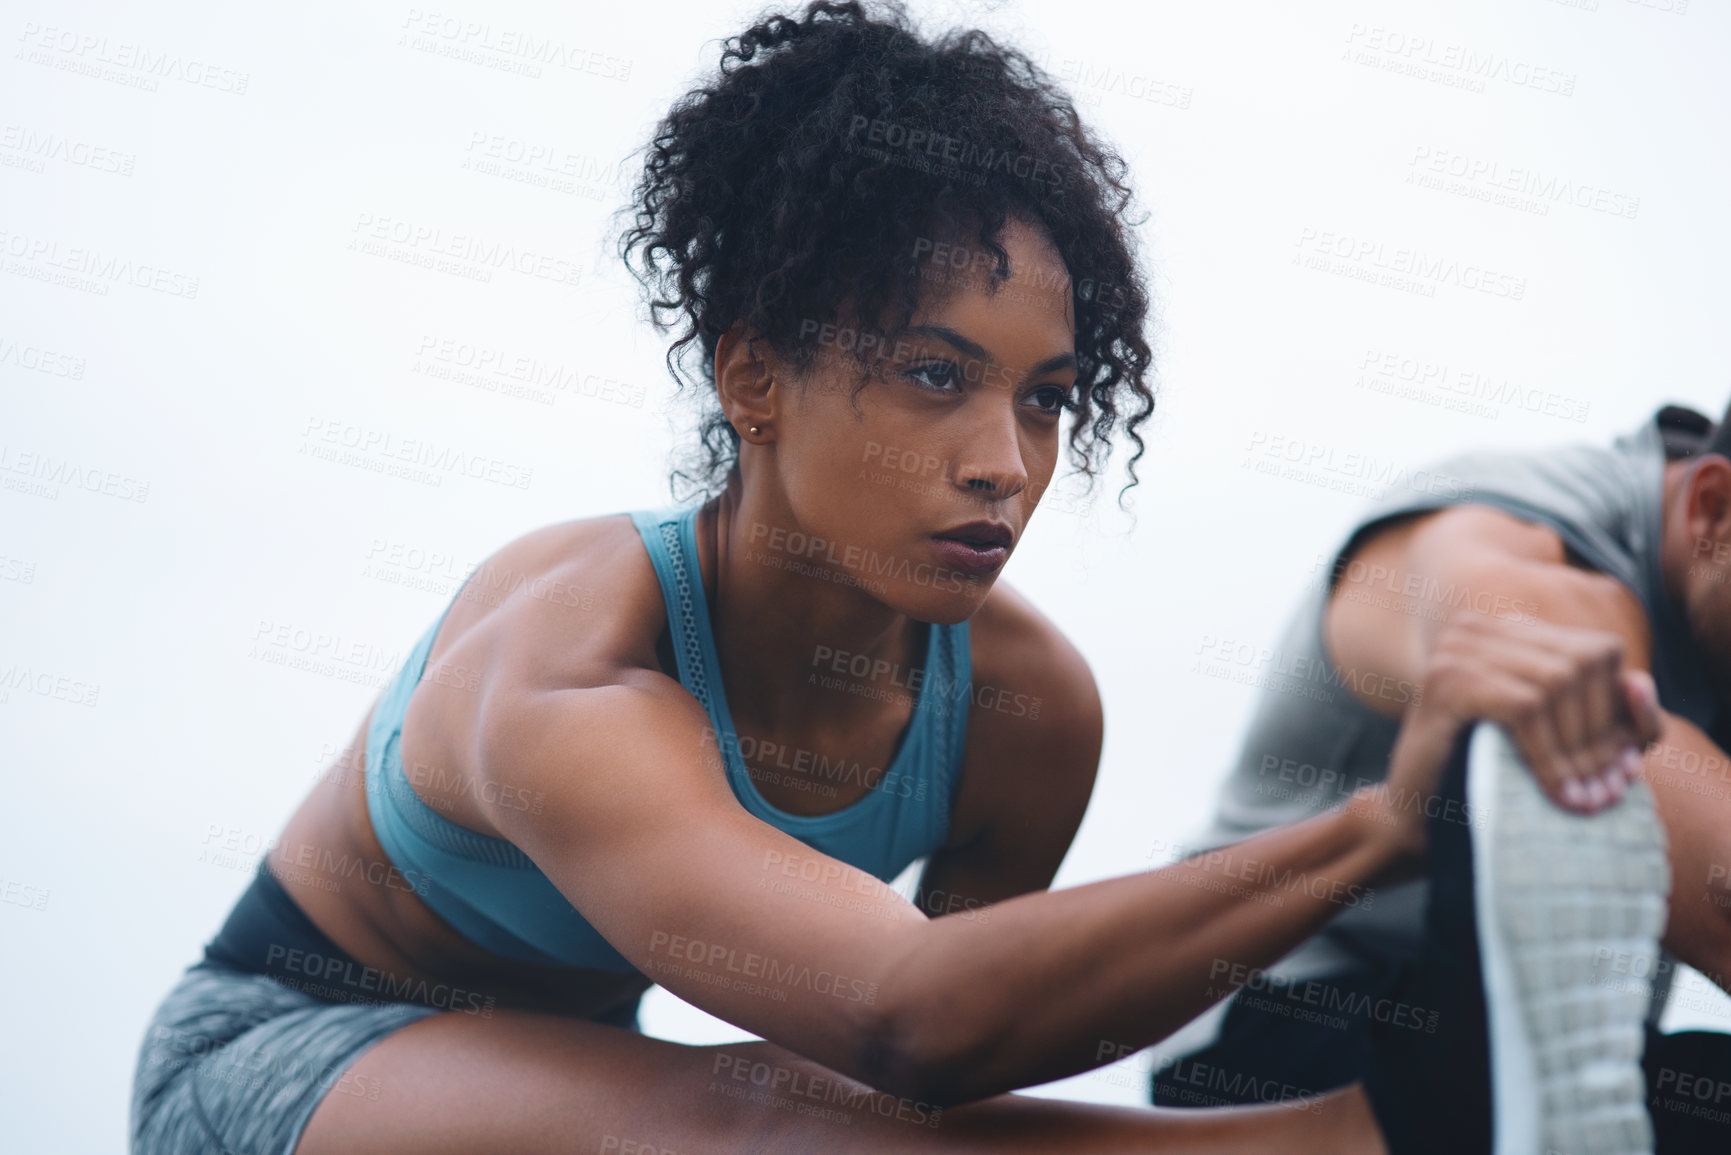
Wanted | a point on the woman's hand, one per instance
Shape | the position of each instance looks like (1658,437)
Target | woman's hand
(1579,718)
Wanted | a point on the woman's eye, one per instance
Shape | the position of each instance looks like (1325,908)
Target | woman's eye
(943,371)
(1056,397)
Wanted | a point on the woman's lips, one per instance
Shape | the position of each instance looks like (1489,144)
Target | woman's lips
(974,560)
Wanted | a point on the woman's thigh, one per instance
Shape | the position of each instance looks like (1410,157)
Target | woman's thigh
(522,1084)
(234,1063)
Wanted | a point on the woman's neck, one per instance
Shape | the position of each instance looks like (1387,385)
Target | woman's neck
(778,621)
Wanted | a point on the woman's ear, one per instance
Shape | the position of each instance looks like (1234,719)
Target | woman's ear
(744,378)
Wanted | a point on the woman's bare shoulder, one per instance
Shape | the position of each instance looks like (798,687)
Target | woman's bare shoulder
(561,605)
(1035,722)
(1020,650)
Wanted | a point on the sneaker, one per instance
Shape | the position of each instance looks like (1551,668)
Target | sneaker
(1559,898)
(1534,916)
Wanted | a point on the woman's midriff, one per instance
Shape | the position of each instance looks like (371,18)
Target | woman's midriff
(330,862)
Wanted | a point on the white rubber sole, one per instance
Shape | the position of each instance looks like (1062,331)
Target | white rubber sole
(1569,910)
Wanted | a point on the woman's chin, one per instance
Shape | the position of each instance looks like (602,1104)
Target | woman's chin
(942,607)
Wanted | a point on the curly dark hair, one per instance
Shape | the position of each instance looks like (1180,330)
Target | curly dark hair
(798,186)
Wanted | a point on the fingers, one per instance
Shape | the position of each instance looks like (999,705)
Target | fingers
(1590,694)
(1642,698)
(1515,688)
(1534,731)
(1561,692)
(1539,691)
(1607,720)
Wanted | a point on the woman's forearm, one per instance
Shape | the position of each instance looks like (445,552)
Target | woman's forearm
(1059,982)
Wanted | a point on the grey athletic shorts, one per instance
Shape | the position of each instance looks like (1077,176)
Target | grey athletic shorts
(235,1063)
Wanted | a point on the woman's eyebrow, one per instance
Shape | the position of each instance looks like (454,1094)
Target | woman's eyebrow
(1053,364)
(945,333)
(972,349)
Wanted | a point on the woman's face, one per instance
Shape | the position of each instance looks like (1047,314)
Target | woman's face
(960,424)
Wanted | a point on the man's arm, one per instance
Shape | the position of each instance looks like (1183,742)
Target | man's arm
(1402,581)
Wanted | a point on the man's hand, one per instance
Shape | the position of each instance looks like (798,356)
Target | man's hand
(1579,718)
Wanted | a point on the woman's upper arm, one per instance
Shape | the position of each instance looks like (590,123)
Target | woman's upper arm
(642,834)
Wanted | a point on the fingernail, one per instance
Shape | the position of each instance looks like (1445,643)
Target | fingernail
(1596,794)
(1574,793)
(1616,782)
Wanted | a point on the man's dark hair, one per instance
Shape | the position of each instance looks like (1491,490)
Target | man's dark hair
(1689,433)
(795,190)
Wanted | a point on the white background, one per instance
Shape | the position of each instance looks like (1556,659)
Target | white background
(1251,131)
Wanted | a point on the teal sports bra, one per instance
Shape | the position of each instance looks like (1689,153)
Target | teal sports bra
(497,898)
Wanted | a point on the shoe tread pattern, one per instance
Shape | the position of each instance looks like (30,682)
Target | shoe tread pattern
(1574,894)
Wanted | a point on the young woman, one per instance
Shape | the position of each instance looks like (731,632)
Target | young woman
(689,746)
